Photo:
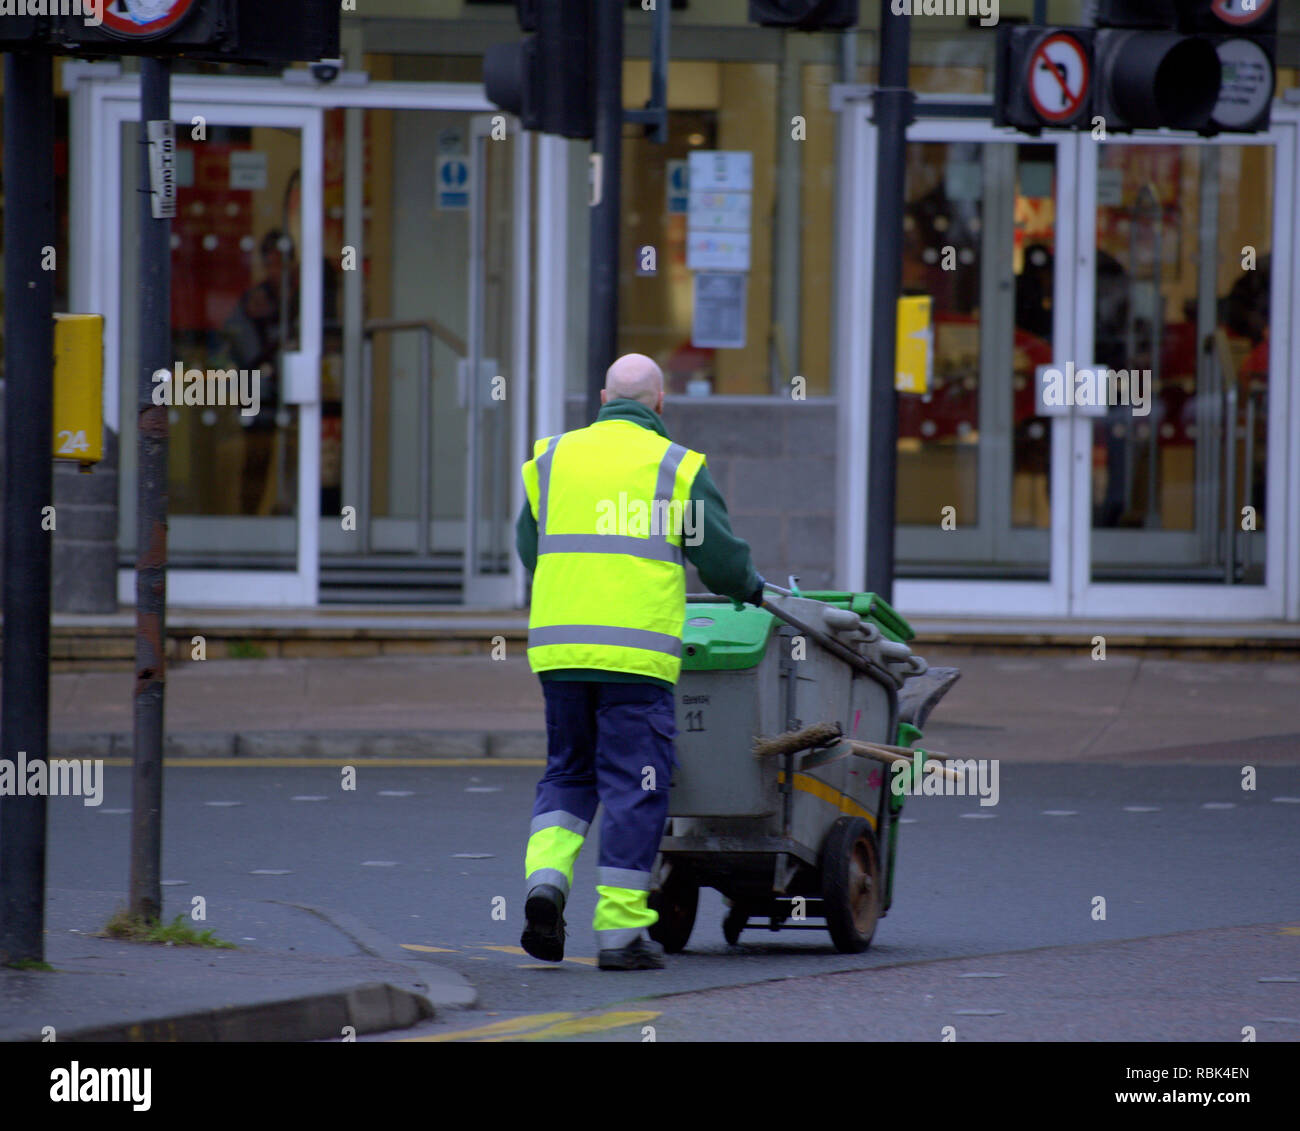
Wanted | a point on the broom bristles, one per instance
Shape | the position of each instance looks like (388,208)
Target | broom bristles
(793,741)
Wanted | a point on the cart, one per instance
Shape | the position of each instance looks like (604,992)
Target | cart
(791,827)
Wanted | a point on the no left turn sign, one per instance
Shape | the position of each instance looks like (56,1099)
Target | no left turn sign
(144,19)
(1058,78)
(1241,13)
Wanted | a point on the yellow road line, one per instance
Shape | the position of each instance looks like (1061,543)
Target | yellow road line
(513,1025)
(289,763)
(579,1026)
(428,949)
(542,1027)
(520,951)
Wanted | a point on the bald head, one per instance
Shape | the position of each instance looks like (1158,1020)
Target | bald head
(637,378)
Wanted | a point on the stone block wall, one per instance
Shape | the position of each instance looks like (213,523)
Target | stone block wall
(85,532)
(774,462)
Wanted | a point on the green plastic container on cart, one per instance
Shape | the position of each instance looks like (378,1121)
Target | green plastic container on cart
(720,637)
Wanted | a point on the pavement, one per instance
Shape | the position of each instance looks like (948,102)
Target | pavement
(1021,707)
(1128,709)
(310,974)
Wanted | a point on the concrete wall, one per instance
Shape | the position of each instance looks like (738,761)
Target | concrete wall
(774,463)
(84,567)
(85,538)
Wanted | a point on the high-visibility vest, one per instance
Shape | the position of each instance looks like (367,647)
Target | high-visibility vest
(609,591)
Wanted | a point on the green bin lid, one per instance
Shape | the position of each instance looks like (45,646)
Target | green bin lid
(720,637)
(723,638)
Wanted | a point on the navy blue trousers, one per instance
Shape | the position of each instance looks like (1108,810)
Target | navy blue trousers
(609,744)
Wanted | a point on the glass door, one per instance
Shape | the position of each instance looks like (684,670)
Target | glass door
(1183,465)
(495,381)
(974,456)
(245,366)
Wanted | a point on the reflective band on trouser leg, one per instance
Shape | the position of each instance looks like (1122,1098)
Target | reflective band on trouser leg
(622,913)
(551,854)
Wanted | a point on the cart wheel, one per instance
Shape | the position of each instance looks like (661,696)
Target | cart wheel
(676,901)
(734,923)
(851,885)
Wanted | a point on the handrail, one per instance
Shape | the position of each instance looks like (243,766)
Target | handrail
(396,325)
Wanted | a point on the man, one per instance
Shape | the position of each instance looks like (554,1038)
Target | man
(611,510)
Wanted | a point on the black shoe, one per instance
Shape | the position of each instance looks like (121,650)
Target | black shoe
(640,954)
(544,936)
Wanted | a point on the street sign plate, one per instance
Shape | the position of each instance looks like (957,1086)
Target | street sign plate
(1247,85)
(1058,78)
(1241,13)
(145,19)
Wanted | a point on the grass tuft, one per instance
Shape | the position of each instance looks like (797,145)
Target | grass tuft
(124,925)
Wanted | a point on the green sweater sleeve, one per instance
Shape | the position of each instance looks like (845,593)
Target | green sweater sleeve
(526,538)
(723,560)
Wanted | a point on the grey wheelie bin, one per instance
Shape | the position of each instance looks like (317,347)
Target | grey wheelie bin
(798,835)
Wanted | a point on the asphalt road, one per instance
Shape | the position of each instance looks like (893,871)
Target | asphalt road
(425,854)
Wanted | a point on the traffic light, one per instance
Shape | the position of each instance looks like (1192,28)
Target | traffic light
(1147,74)
(546,80)
(216,30)
(806,15)
(125,27)
(1202,65)
(1244,34)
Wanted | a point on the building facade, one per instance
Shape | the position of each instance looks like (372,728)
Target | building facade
(407,273)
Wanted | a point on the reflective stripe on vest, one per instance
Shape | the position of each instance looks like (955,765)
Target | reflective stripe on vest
(656,548)
(609,601)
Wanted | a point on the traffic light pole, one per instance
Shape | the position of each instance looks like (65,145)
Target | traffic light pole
(893,111)
(151,528)
(602,325)
(29,231)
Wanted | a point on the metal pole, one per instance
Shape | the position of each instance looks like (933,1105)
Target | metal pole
(151,529)
(29,228)
(893,111)
(659,71)
(602,328)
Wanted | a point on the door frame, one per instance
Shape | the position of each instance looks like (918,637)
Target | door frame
(1069,591)
(101,93)
(113,104)
(856,249)
(1276,598)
